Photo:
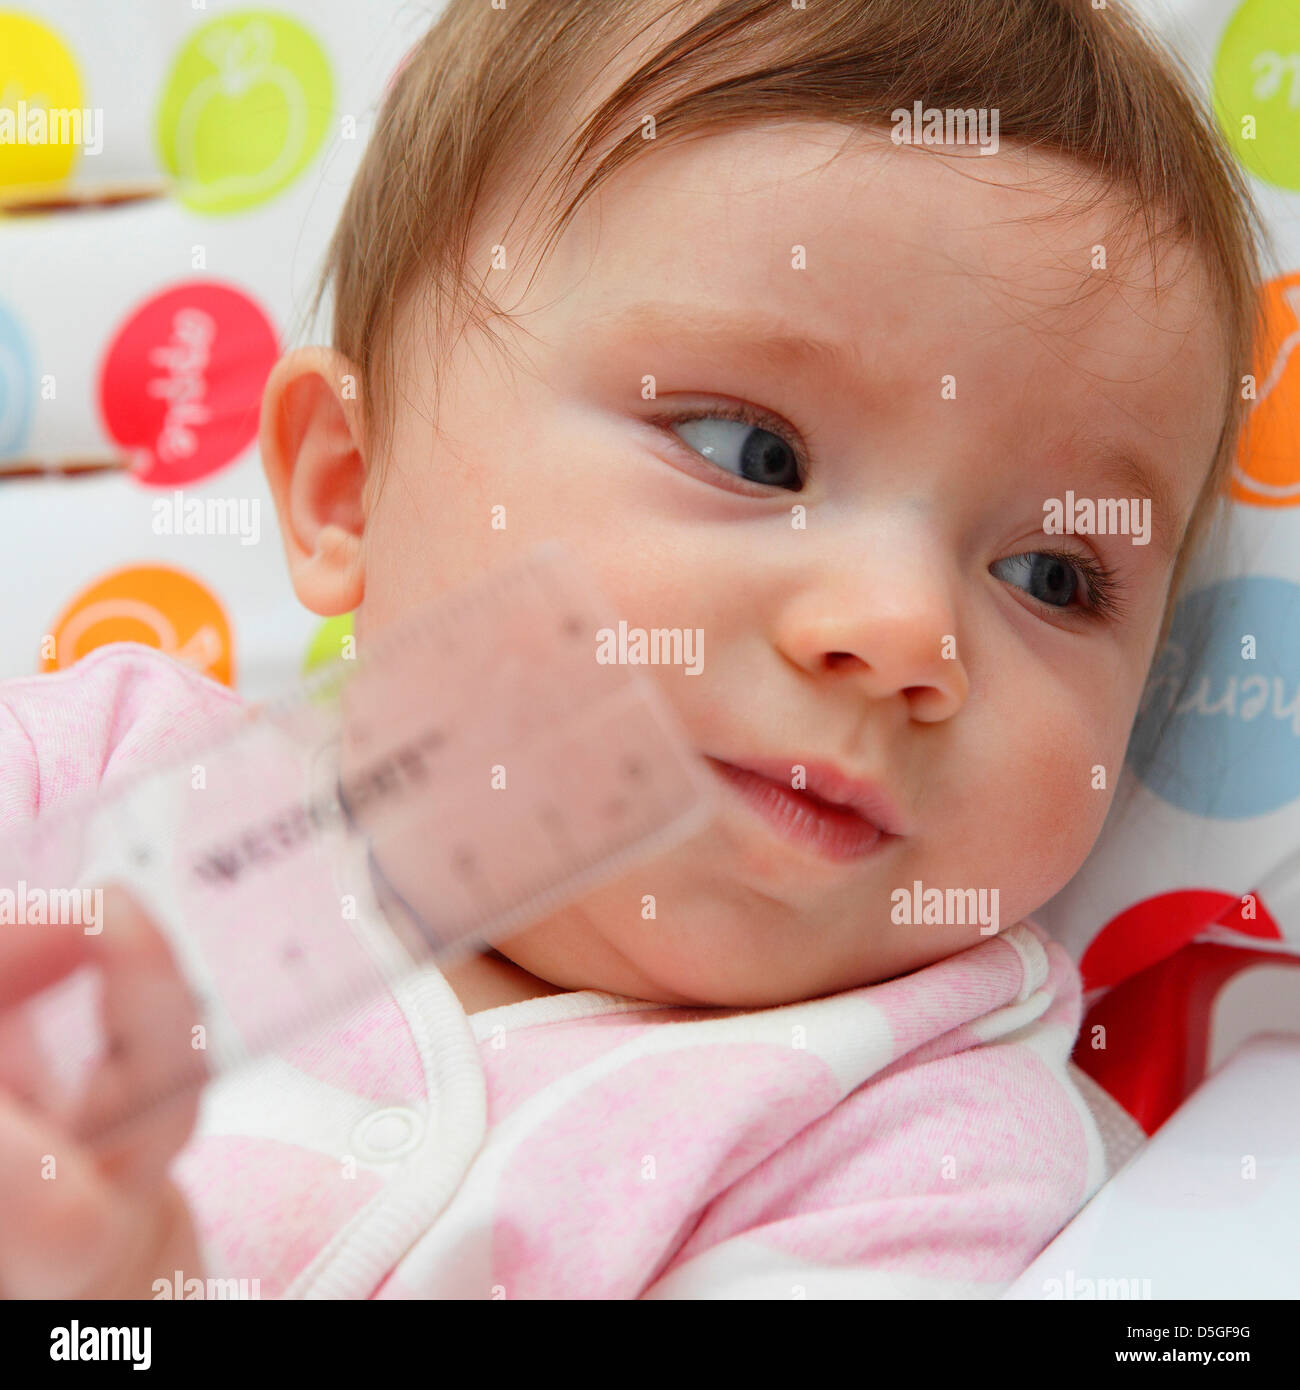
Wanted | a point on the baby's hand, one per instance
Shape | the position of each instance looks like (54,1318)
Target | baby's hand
(85,1217)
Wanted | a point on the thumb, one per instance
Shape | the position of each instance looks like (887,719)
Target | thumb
(63,1228)
(142,1100)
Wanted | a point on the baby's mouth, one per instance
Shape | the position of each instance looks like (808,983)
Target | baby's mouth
(836,832)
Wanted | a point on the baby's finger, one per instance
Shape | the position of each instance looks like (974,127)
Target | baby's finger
(23,1070)
(46,975)
(141,1101)
(62,1228)
(33,955)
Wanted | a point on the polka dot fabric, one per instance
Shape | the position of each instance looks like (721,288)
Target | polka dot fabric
(153,265)
(1195,880)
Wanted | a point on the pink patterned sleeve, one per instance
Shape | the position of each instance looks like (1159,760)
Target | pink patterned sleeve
(121,707)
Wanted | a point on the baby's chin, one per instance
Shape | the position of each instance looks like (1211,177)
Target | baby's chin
(697,929)
(787,982)
(728,963)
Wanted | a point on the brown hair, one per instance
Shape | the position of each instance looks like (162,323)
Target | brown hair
(489,94)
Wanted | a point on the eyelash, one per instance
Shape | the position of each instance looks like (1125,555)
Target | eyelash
(742,414)
(1105,601)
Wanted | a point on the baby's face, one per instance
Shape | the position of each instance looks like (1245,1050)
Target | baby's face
(900,623)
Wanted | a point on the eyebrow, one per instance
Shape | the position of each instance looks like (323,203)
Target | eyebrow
(771,342)
(1122,474)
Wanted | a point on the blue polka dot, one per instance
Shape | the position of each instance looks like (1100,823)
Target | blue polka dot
(17,385)
(1230,721)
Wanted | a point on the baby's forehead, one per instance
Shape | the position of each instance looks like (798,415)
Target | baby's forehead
(839,227)
(814,264)
(803,263)
(1042,224)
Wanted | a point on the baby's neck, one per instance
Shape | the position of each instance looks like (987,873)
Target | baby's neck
(488,980)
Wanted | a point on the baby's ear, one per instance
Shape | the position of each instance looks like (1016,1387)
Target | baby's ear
(314,457)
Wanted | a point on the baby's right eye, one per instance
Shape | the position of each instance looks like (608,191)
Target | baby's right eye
(757,453)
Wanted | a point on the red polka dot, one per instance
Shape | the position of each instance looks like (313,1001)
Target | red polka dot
(181,383)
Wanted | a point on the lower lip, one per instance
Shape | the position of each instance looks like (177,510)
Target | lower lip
(835,834)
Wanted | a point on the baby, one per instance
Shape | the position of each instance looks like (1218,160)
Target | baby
(797,325)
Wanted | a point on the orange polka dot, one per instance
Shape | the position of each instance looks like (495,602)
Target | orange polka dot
(154,605)
(1267,471)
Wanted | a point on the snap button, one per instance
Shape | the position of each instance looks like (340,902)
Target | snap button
(387,1134)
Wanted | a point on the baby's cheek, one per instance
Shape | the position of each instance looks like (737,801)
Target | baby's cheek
(1071,773)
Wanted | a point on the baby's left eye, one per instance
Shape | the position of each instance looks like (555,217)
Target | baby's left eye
(1051,579)
(1055,577)
(740,443)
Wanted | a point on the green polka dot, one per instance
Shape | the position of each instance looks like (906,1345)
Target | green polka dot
(327,643)
(1257,73)
(244,110)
